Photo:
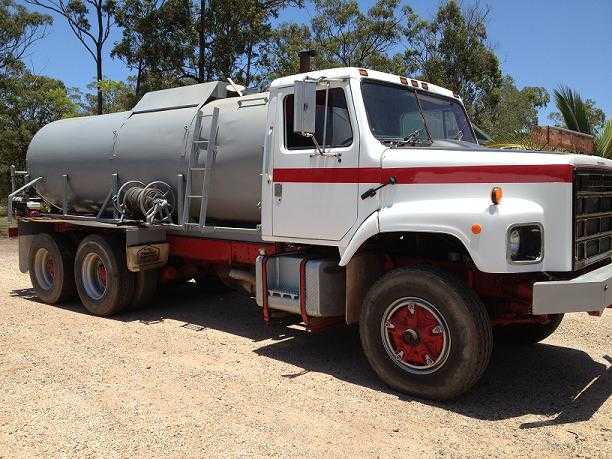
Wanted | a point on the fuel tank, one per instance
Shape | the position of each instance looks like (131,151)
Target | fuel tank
(153,142)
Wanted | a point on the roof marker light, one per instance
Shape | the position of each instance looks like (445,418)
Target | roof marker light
(425,86)
(403,80)
(363,72)
(414,83)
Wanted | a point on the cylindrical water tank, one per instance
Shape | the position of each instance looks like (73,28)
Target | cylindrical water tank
(153,142)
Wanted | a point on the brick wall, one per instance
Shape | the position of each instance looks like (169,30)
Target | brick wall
(563,139)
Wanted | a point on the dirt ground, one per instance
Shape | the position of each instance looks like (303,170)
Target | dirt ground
(201,375)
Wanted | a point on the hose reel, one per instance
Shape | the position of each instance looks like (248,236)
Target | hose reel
(155,202)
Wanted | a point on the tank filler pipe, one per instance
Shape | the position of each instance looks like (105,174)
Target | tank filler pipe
(16,193)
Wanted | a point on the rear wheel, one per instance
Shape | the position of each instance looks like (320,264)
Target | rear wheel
(104,284)
(51,267)
(425,333)
(526,334)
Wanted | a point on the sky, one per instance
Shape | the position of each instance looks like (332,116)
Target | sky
(539,43)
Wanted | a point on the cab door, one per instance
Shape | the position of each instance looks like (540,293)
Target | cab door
(314,195)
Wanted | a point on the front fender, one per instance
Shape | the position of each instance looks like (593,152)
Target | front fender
(455,217)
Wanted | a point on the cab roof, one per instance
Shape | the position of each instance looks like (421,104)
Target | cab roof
(360,73)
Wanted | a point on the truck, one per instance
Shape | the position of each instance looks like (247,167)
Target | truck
(339,197)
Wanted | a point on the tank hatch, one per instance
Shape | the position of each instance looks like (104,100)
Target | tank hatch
(185,96)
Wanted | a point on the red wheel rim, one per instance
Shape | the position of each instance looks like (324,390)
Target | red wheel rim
(415,335)
(102,274)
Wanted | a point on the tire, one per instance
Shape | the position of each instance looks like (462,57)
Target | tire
(50,265)
(425,333)
(104,284)
(526,334)
(145,288)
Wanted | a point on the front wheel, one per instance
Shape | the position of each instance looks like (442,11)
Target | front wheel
(425,333)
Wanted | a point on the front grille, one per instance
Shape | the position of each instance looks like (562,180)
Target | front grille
(592,216)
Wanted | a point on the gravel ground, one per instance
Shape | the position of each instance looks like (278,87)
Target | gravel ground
(201,375)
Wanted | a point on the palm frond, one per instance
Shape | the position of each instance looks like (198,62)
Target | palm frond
(603,142)
(573,110)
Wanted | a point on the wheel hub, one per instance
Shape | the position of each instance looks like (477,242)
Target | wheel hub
(415,335)
(44,269)
(411,337)
(94,276)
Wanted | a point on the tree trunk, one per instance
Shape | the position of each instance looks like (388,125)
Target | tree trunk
(201,43)
(247,77)
(138,78)
(99,104)
(99,43)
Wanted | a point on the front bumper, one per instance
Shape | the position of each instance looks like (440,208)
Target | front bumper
(589,292)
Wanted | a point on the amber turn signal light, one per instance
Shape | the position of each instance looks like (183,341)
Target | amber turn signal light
(476,228)
(496,195)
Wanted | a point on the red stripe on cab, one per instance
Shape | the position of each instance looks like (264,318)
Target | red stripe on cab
(527,173)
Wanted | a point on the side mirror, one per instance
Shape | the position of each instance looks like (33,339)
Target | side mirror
(305,107)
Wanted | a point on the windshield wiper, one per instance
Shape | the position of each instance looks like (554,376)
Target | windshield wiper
(411,139)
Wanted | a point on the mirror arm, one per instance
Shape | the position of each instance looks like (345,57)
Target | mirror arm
(316,144)
(325,116)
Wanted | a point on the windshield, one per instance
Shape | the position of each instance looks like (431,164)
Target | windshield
(399,113)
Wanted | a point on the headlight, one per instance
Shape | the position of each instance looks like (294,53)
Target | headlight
(525,243)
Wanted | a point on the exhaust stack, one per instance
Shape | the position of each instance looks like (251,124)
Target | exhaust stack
(305,58)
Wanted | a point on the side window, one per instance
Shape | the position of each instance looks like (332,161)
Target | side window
(339,131)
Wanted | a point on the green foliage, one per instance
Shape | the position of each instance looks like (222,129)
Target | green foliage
(452,51)
(517,110)
(118,96)
(77,13)
(583,116)
(208,39)
(573,110)
(19,30)
(27,103)
(150,29)
(595,115)
(348,37)
(603,142)
(342,35)
(281,56)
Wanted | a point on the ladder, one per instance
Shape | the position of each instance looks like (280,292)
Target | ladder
(206,171)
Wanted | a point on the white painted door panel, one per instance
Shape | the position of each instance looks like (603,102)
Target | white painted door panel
(313,197)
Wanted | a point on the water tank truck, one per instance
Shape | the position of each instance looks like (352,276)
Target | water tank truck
(338,197)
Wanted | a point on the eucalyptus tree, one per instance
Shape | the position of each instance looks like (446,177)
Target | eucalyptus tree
(342,35)
(19,30)
(77,14)
(181,41)
(452,51)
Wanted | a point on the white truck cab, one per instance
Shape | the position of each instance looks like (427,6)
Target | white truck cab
(381,127)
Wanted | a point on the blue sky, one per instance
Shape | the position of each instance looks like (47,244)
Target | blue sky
(539,42)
